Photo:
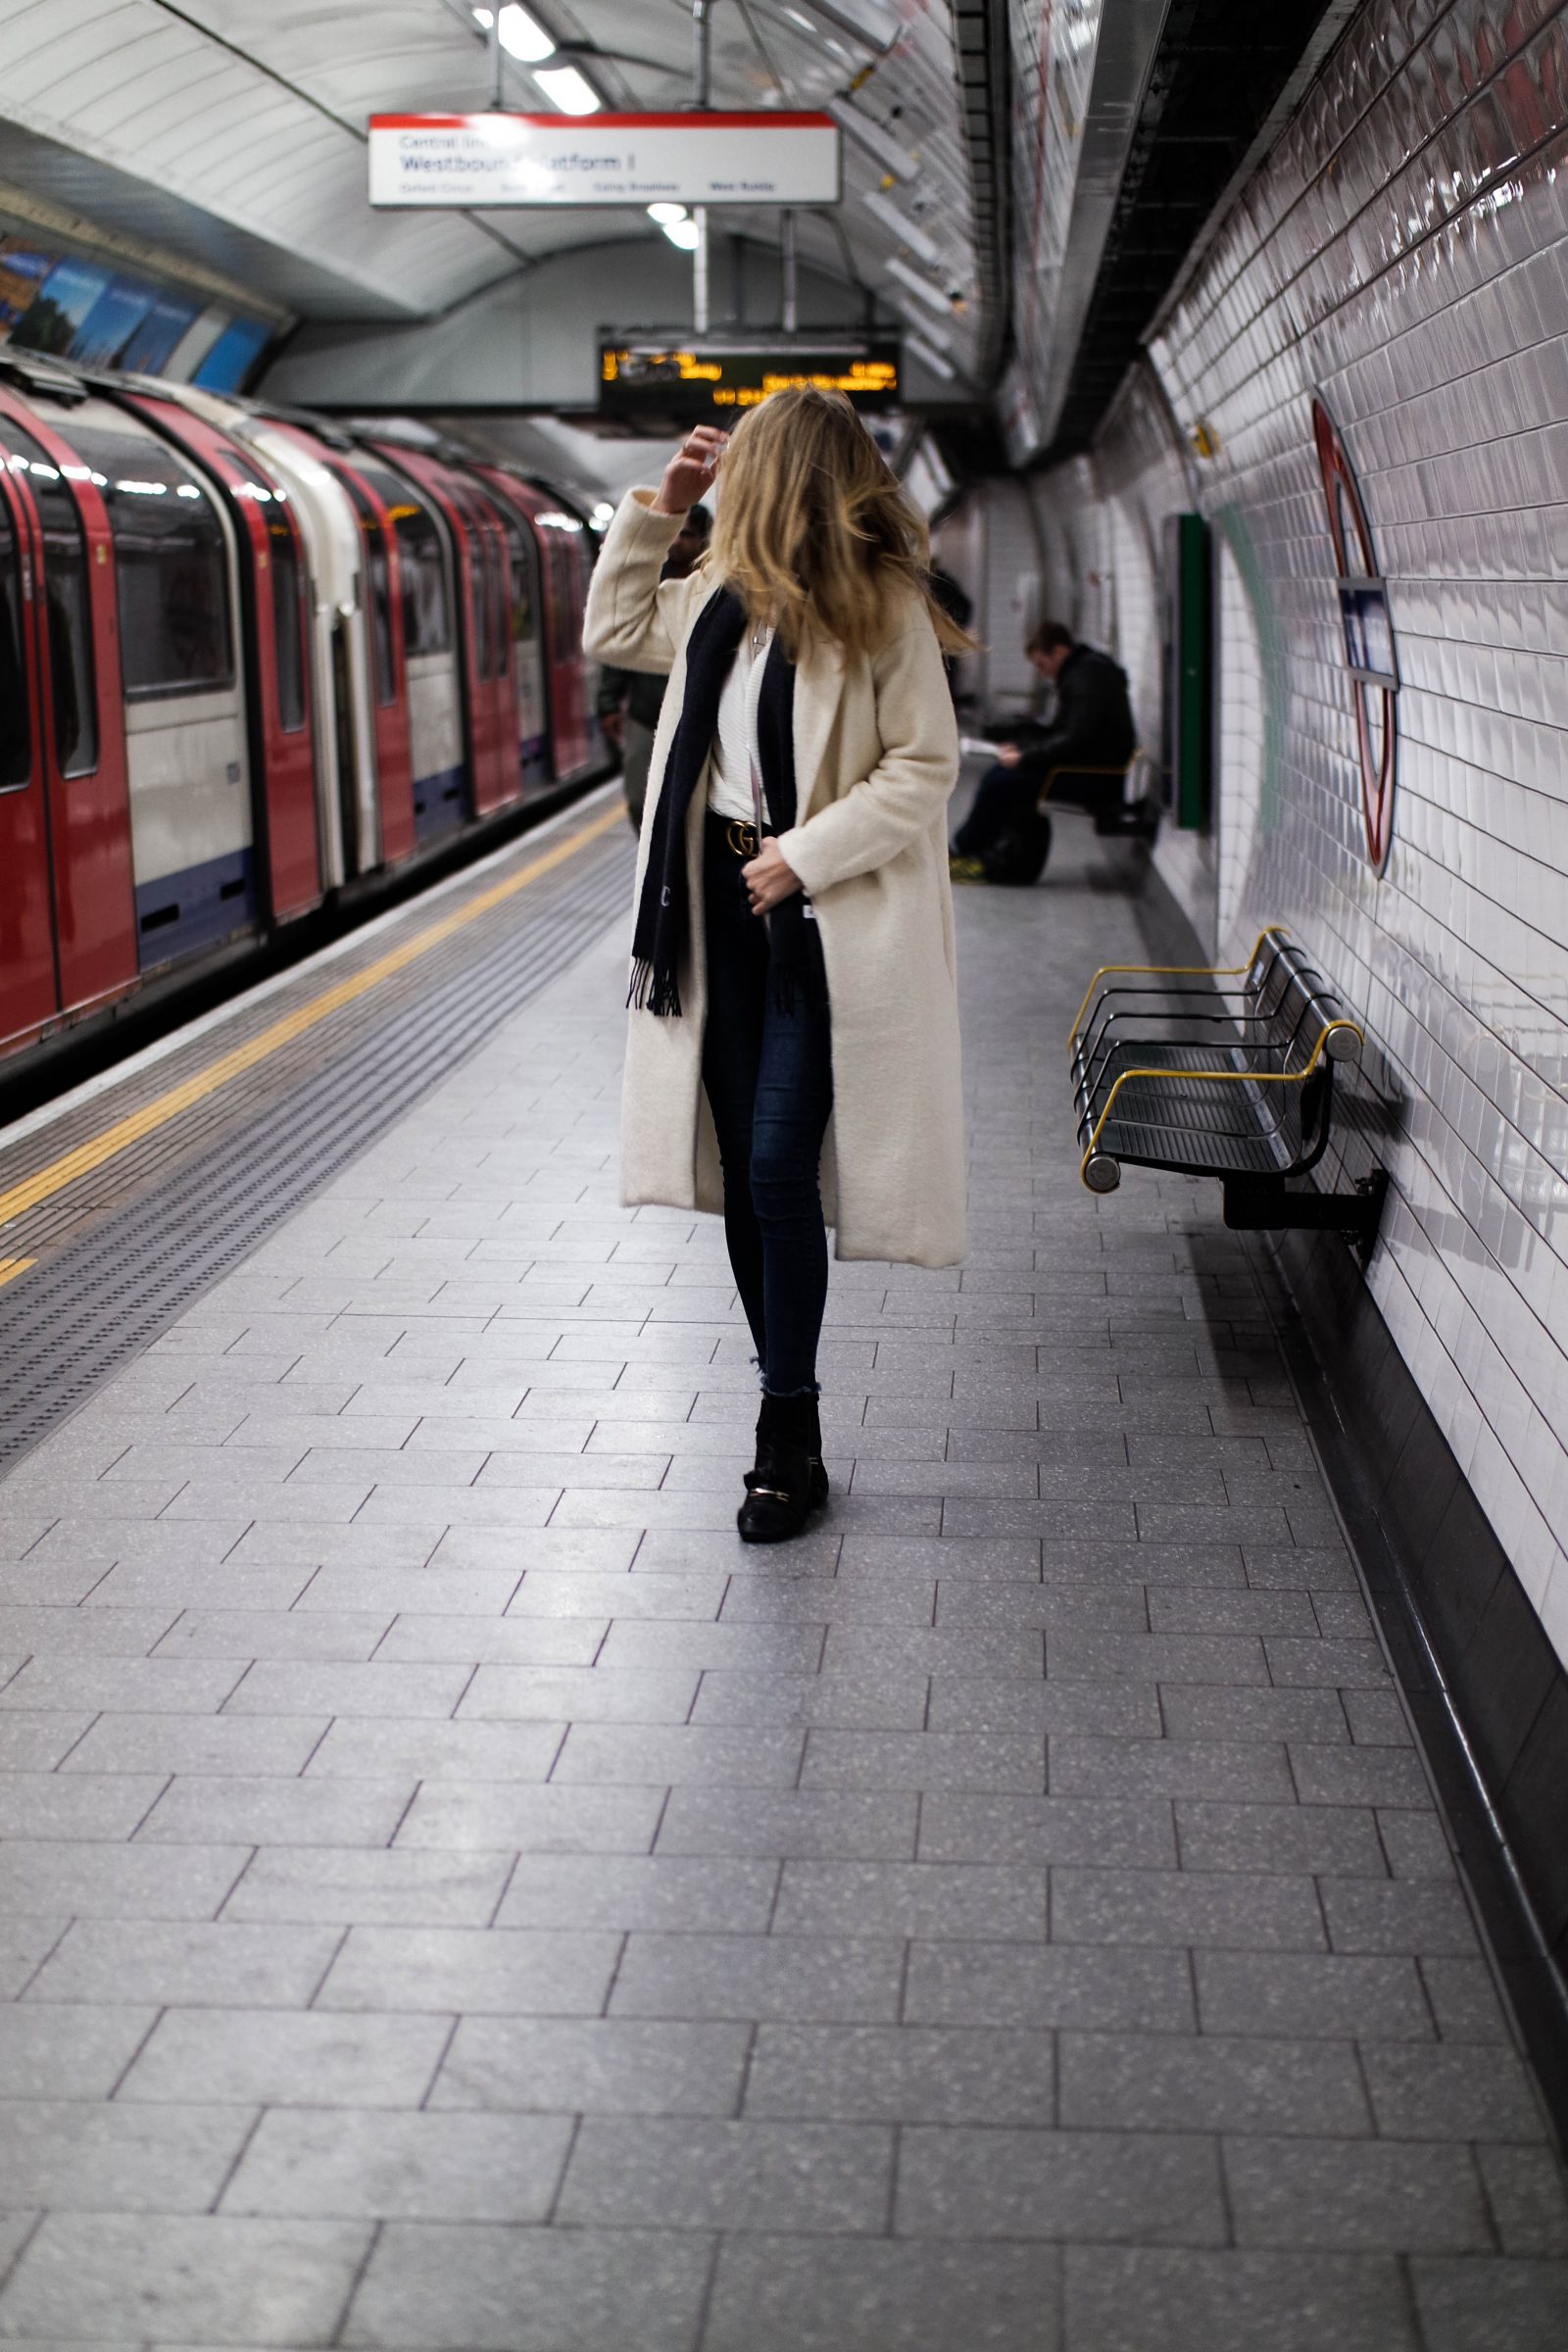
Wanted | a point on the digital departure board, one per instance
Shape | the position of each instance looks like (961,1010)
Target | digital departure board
(667,387)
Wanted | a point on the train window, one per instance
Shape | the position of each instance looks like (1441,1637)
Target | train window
(567,597)
(68,602)
(378,578)
(287,622)
(524,621)
(481,583)
(479,574)
(495,602)
(421,564)
(172,564)
(16,742)
(500,573)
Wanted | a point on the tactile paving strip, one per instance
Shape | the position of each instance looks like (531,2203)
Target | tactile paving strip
(202,1195)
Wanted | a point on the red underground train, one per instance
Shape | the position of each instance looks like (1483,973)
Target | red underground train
(252,666)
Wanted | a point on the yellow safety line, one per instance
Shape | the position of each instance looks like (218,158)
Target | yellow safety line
(157,1114)
(1222,1078)
(1201,971)
(11,1267)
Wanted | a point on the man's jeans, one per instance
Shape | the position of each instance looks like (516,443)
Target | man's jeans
(1003,802)
(769,1077)
(1006,802)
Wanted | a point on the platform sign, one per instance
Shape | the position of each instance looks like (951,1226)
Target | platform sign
(667,387)
(496,160)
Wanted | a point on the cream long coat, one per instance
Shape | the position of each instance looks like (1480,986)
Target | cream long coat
(876,756)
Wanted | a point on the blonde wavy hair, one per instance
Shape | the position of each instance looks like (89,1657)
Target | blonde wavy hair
(813,533)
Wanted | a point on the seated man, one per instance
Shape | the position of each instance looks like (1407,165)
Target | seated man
(630,700)
(1005,838)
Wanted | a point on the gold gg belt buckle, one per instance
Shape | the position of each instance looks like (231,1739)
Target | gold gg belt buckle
(742,839)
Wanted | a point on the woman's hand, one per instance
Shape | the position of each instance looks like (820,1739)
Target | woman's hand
(768,878)
(1007,754)
(689,476)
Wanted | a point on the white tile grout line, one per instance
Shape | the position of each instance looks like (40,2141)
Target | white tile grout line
(233,1006)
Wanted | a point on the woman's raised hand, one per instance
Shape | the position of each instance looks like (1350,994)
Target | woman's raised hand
(689,476)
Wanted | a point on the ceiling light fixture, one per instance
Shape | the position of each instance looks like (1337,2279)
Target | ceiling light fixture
(926,329)
(890,153)
(666,213)
(922,287)
(867,21)
(904,230)
(522,36)
(920,349)
(684,233)
(565,87)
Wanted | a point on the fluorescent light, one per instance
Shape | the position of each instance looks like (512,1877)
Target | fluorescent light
(889,151)
(565,87)
(521,36)
(866,20)
(920,349)
(926,329)
(921,287)
(684,233)
(666,214)
(904,230)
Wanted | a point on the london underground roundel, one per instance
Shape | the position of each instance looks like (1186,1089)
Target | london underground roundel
(1368,633)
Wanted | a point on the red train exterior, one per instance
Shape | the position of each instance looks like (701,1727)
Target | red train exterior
(250,668)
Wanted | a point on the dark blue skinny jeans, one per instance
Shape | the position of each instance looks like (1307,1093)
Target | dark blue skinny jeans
(769,1077)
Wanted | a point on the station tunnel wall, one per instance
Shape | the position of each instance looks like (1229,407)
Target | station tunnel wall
(1403,252)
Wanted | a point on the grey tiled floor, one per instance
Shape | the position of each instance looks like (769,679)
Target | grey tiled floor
(452,1898)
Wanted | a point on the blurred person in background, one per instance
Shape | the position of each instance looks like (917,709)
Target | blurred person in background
(630,700)
(1007,836)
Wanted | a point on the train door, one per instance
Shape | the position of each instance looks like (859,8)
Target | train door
(389,687)
(80,737)
(492,760)
(176,570)
(27,993)
(278,674)
(348,818)
(498,607)
(426,605)
(486,693)
(525,625)
(561,541)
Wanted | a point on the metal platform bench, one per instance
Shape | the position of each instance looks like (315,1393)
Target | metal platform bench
(1224,1072)
(1138,819)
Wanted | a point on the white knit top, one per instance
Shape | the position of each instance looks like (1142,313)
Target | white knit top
(729,772)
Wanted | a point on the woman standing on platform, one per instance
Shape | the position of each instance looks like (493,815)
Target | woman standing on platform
(794,1033)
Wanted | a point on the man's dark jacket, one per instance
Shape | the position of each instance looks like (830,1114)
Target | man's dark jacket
(640,691)
(1093,725)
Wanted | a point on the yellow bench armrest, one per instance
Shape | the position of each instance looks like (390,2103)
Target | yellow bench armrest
(1193,971)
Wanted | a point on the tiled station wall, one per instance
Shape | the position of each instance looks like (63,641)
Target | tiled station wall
(1404,251)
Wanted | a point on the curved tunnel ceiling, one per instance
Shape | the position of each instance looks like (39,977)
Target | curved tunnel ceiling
(232,131)
(1020,175)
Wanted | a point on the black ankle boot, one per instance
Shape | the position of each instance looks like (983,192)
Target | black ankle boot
(789,1482)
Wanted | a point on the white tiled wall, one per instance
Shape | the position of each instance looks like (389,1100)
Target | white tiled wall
(1404,251)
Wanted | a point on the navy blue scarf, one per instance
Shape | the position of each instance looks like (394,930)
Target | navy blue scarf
(663,932)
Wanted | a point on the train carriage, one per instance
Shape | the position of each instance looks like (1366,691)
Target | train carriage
(252,666)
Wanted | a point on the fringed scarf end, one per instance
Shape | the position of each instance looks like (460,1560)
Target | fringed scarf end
(651,991)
